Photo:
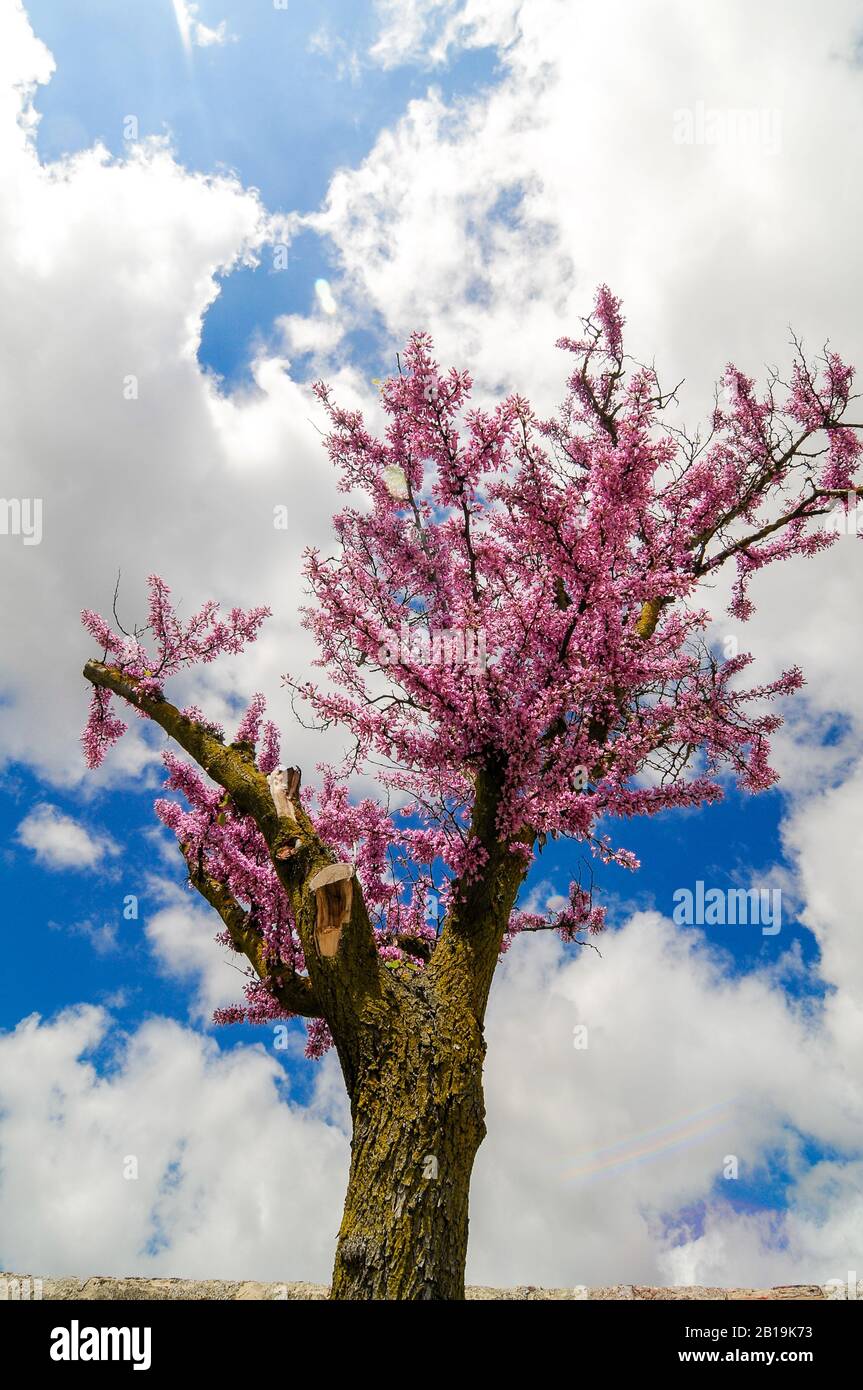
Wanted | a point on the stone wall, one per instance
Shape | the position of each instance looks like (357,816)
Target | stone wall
(99,1287)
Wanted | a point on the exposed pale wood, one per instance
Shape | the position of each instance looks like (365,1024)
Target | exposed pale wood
(284,784)
(333,888)
(333,873)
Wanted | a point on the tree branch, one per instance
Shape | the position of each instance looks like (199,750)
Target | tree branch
(464,960)
(341,983)
(296,993)
(803,509)
(232,768)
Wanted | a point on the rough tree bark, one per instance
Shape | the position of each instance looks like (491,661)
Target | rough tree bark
(416,1095)
(418,1120)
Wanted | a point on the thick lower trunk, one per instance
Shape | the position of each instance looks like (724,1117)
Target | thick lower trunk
(418,1120)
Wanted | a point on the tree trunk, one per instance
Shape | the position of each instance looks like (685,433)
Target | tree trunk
(418,1120)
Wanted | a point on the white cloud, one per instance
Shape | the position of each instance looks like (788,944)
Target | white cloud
(426,31)
(102,937)
(232,1178)
(208,38)
(591,1157)
(332,46)
(822,1235)
(823,837)
(60,842)
(602,1164)
(181,479)
(117,999)
(193,32)
(592,1153)
(711,247)
(424,241)
(181,937)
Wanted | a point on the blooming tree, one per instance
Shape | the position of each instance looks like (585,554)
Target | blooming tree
(512,633)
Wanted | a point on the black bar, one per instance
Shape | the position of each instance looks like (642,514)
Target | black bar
(251,1340)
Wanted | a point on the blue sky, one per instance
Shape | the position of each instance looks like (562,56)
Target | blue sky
(292,100)
(724,846)
(273,108)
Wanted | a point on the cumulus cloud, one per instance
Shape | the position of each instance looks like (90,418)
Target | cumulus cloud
(60,842)
(603,1164)
(606,1151)
(180,1159)
(180,935)
(818,1240)
(140,462)
(822,837)
(491,220)
(425,32)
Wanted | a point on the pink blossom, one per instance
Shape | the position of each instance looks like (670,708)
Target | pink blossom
(578,547)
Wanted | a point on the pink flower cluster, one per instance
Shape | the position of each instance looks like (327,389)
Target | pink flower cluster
(176,646)
(577,546)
